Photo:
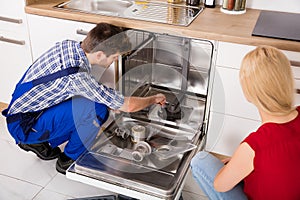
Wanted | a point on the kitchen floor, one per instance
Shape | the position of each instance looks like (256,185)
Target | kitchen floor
(23,176)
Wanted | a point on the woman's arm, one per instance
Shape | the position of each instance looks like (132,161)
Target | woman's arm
(239,166)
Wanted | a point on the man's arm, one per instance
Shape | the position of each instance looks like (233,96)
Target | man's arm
(133,104)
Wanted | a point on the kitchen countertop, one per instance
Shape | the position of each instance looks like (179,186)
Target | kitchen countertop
(211,24)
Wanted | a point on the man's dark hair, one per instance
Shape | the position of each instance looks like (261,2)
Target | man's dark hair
(107,38)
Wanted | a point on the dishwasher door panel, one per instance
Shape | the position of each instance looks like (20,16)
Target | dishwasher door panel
(146,154)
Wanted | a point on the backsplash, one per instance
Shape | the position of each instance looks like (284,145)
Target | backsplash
(276,5)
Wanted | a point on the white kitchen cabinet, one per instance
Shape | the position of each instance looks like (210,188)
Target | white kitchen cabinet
(294,57)
(232,117)
(226,132)
(46,31)
(14,46)
(13,9)
(227,95)
(230,55)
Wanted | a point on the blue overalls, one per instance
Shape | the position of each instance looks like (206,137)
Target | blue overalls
(76,120)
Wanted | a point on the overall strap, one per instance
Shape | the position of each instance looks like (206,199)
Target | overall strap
(22,88)
(56,75)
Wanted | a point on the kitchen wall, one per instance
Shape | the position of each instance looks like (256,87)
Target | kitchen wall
(275,5)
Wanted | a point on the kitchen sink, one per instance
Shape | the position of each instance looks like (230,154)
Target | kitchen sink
(116,6)
(154,11)
(104,7)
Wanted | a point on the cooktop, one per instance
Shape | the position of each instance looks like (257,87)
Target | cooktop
(280,25)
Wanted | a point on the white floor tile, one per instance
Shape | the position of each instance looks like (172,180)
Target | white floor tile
(46,194)
(4,134)
(191,185)
(26,166)
(74,189)
(14,189)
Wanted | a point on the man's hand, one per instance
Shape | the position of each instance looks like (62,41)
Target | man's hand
(134,104)
(160,99)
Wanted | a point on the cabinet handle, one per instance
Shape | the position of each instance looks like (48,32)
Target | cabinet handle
(6,19)
(81,32)
(4,39)
(295,63)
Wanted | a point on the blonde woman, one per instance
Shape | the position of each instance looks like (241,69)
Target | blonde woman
(266,164)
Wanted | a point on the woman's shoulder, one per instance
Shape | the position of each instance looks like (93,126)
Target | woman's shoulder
(260,136)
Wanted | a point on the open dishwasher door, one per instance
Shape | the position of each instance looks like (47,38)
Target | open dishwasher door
(146,154)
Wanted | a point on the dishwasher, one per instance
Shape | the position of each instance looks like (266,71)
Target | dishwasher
(146,154)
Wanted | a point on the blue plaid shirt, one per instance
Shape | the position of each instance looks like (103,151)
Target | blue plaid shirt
(63,55)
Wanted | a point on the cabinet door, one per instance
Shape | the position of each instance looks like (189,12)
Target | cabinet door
(55,30)
(14,46)
(226,132)
(12,9)
(231,55)
(15,58)
(227,95)
(294,58)
(232,117)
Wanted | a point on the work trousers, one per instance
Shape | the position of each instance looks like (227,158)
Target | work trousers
(76,121)
(205,167)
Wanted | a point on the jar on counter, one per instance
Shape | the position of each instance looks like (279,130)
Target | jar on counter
(234,7)
(192,2)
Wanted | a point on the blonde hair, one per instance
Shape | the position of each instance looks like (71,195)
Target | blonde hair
(267,80)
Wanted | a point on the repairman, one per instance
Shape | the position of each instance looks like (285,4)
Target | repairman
(58,100)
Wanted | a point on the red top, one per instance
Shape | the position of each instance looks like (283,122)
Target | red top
(276,173)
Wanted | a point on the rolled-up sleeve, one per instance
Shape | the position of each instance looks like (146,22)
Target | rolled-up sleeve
(85,85)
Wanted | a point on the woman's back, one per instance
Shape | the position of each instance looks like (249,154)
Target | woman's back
(276,163)
(268,160)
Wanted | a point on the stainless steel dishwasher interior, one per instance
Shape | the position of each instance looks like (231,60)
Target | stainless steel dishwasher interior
(149,151)
(154,11)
